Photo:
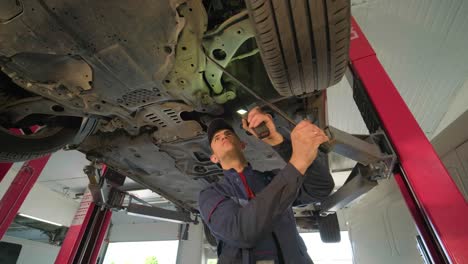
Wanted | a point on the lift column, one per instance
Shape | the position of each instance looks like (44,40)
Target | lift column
(87,232)
(18,190)
(439,209)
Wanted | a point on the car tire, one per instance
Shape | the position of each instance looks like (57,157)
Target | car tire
(329,228)
(17,148)
(303,44)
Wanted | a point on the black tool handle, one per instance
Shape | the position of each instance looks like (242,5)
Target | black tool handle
(261,131)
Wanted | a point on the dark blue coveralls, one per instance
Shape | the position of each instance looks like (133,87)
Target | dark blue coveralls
(263,229)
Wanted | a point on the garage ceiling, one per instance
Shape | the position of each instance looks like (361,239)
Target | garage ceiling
(64,174)
(422,45)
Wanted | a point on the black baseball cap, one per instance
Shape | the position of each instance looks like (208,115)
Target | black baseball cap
(217,125)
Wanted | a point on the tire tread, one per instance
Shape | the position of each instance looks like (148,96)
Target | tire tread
(303,43)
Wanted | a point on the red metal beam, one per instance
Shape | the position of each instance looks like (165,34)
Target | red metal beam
(76,231)
(434,192)
(4,168)
(18,190)
(100,235)
(86,233)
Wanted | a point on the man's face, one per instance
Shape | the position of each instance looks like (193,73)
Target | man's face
(225,142)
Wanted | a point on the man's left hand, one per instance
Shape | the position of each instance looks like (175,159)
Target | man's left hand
(255,117)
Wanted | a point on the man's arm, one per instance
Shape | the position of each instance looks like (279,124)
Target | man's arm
(244,226)
(318,182)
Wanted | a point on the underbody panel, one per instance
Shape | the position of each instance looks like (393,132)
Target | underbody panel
(140,68)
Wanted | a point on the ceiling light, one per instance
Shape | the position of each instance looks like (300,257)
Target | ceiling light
(241,111)
(41,220)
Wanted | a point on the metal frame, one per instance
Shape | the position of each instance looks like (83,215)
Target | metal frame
(358,183)
(106,193)
(76,232)
(158,213)
(433,198)
(87,232)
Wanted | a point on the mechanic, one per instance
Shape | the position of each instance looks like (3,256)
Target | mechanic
(249,212)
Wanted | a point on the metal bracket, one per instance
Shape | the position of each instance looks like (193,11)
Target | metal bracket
(18,110)
(376,160)
(104,188)
(159,213)
(222,44)
(106,193)
(375,152)
(358,183)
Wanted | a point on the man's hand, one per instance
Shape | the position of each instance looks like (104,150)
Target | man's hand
(255,117)
(305,139)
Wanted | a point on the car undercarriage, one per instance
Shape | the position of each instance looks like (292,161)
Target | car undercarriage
(138,78)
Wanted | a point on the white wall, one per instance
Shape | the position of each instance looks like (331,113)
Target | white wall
(190,251)
(34,252)
(126,228)
(381,228)
(452,147)
(456,108)
(41,202)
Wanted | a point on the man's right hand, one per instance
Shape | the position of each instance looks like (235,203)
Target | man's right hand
(306,139)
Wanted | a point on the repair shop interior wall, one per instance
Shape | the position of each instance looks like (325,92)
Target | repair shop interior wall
(127,228)
(381,228)
(191,250)
(41,202)
(33,252)
(452,147)
(456,108)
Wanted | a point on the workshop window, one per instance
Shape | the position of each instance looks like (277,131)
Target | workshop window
(326,253)
(153,252)
(321,253)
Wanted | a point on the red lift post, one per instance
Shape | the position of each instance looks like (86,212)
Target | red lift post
(4,168)
(18,190)
(439,209)
(87,232)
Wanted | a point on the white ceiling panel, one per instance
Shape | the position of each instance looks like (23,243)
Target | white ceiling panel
(68,187)
(342,110)
(64,165)
(423,46)
(64,173)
